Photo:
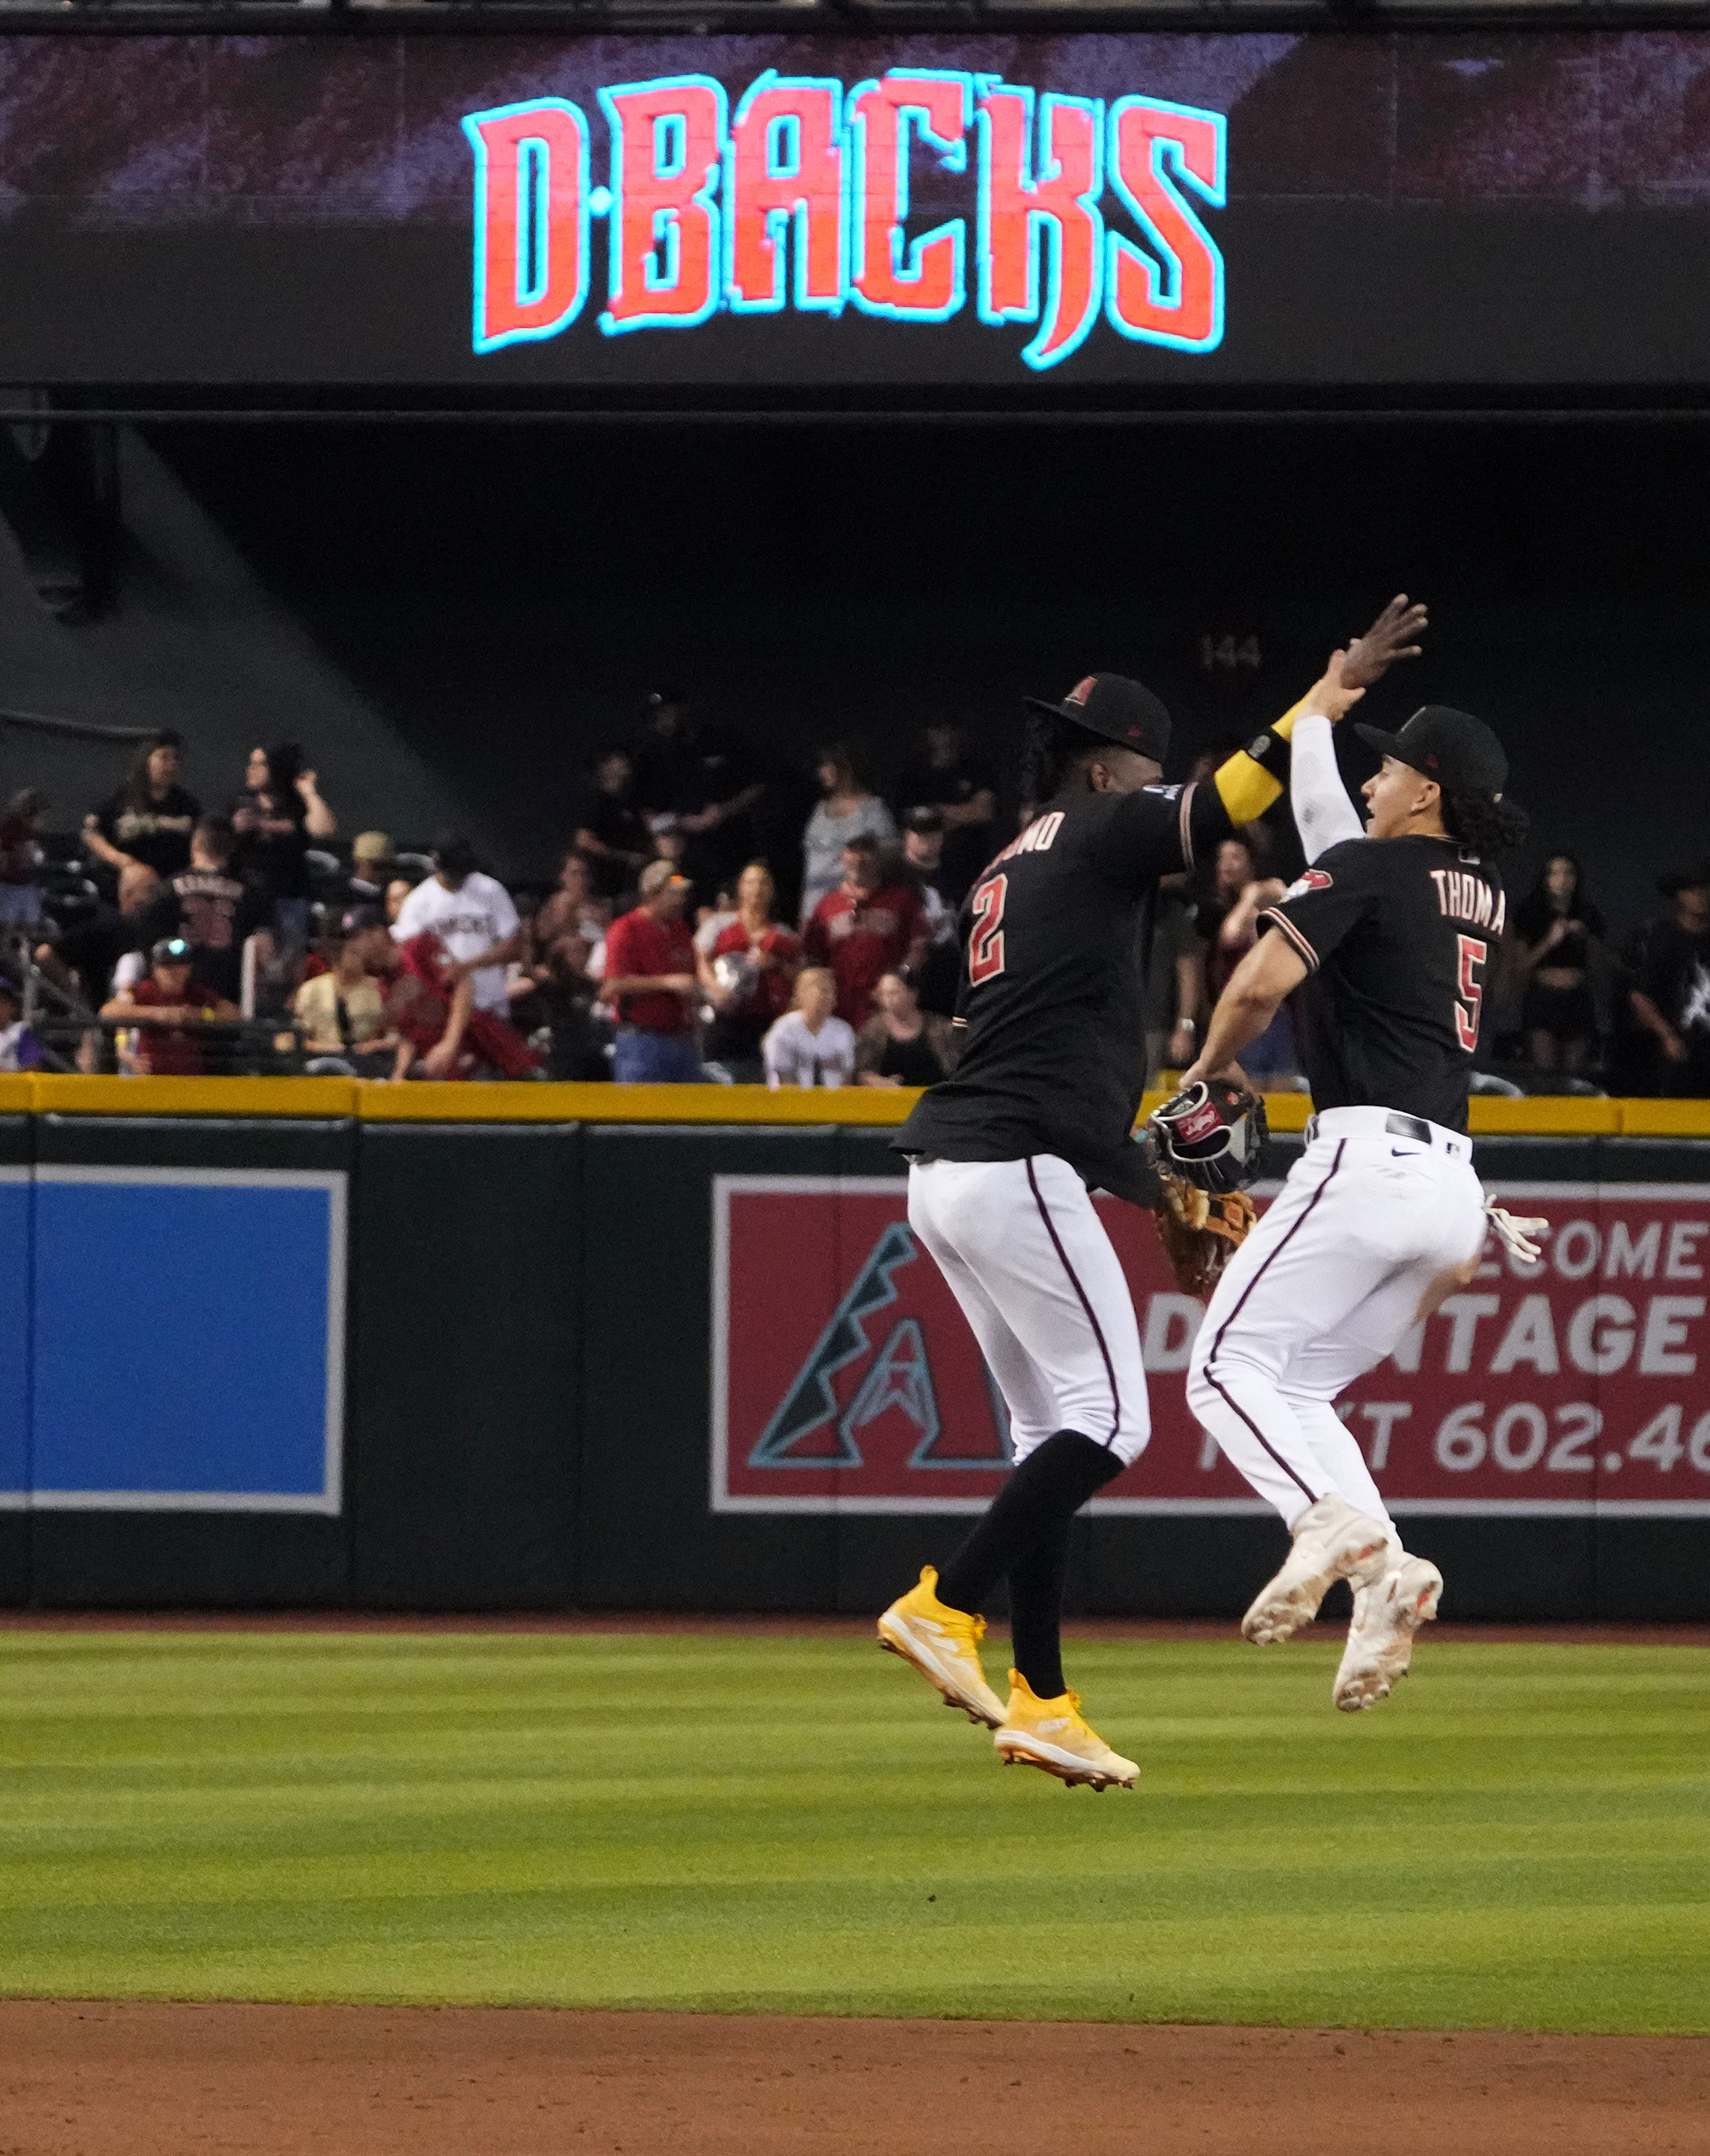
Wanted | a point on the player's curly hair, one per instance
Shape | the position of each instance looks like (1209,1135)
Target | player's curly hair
(1050,748)
(1487,826)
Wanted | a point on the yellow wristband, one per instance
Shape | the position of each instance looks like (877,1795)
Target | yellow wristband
(1244,786)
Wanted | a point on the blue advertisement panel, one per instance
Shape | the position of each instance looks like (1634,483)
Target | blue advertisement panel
(14,1335)
(188,1339)
(1169,209)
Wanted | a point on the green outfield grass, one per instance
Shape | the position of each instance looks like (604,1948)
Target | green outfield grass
(1520,1839)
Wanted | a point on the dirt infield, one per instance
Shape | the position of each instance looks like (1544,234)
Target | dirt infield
(146,2080)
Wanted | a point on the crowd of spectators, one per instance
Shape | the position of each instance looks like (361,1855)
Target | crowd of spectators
(704,924)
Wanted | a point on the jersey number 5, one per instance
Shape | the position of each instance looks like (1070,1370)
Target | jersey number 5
(1469,995)
(985,944)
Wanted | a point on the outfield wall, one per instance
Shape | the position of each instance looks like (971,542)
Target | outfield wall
(305,1343)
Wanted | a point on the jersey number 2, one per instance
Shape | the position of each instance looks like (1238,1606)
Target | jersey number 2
(1469,995)
(985,946)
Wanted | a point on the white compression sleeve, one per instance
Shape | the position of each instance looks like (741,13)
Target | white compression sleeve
(1323,815)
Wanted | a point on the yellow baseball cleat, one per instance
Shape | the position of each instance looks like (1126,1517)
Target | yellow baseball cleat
(1050,1733)
(944,1645)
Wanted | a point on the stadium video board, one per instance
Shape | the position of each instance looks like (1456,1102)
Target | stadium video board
(1192,213)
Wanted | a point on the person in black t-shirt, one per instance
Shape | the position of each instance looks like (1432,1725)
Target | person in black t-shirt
(1671,998)
(963,790)
(279,810)
(1387,937)
(697,779)
(611,831)
(210,909)
(1003,1155)
(150,818)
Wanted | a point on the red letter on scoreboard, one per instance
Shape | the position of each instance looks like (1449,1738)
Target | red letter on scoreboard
(927,286)
(531,220)
(786,166)
(668,143)
(1159,150)
(1015,209)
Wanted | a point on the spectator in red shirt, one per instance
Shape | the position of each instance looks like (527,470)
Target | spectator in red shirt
(170,1008)
(749,976)
(650,980)
(872,924)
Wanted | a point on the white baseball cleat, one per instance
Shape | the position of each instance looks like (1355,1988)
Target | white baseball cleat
(1331,1541)
(1386,1615)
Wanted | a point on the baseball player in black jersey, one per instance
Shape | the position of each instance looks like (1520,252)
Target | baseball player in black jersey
(1004,1153)
(1389,937)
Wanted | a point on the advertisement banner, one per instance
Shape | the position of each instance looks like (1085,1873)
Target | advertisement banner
(1168,209)
(845,1378)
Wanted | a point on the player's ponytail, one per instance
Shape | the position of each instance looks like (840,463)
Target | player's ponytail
(1485,825)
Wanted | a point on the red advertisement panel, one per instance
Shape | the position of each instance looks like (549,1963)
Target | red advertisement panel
(844,1377)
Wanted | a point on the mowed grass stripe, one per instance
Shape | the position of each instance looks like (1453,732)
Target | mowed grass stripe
(1519,1839)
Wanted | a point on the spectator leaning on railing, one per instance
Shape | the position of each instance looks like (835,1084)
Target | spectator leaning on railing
(650,983)
(170,1008)
(473,916)
(343,1012)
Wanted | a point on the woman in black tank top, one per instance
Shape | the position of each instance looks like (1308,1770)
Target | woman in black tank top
(900,1045)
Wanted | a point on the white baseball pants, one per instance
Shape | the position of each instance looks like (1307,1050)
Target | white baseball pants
(1029,1261)
(1366,1226)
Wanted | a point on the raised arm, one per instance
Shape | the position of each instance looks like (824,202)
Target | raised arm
(1247,785)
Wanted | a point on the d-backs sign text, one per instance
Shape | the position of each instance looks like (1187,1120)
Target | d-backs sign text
(800,195)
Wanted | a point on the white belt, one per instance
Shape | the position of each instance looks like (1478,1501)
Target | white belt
(1388,1122)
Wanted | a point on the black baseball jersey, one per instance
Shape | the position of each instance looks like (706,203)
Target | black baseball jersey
(1398,935)
(1055,936)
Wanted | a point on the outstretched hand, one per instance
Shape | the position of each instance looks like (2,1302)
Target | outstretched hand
(1333,695)
(1393,635)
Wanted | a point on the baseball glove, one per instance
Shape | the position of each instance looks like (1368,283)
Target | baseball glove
(1201,1230)
(1212,1136)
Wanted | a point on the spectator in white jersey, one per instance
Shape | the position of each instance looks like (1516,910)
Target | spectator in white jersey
(472,915)
(810,1045)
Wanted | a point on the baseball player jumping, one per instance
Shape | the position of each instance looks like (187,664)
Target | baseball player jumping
(1388,934)
(1003,1156)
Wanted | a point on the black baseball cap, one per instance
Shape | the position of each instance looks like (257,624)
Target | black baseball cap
(170,951)
(454,853)
(926,818)
(1115,709)
(362,918)
(1696,878)
(1460,752)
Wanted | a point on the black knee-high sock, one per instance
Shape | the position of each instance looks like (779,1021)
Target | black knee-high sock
(1029,1513)
(1036,1613)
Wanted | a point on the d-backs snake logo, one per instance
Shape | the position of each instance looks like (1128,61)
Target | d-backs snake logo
(869,1364)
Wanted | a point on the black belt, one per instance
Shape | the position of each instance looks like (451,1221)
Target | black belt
(1397,1125)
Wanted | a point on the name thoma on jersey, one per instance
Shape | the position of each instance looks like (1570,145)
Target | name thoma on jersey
(1470,898)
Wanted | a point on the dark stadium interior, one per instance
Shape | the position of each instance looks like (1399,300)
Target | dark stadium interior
(504,594)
